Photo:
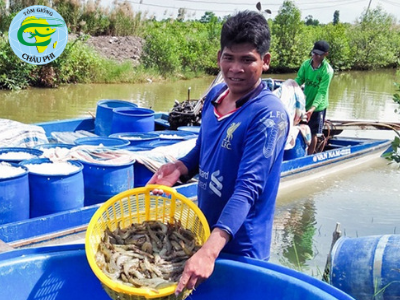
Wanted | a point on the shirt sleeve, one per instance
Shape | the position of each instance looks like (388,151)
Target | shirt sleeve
(300,79)
(191,160)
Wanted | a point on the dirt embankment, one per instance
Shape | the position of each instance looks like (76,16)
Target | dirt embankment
(120,48)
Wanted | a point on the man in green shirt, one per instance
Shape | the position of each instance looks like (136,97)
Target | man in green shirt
(316,75)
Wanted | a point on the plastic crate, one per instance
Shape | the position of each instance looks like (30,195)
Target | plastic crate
(136,206)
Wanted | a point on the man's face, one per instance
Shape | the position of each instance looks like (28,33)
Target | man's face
(242,67)
(318,58)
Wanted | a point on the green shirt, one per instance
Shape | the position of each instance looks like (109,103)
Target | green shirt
(317,83)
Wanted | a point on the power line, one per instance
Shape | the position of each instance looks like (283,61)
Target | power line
(224,3)
(391,3)
(186,4)
(330,6)
(337,3)
(174,7)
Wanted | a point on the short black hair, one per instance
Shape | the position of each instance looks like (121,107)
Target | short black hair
(246,27)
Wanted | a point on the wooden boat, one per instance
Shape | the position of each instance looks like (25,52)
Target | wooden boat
(69,226)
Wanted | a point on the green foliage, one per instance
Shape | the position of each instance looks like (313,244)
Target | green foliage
(179,48)
(336,17)
(394,154)
(70,10)
(161,49)
(94,19)
(172,47)
(84,16)
(310,21)
(371,43)
(14,73)
(209,17)
(396,97)
(287,30)
(340,54)
(110,72)
(78,63)
(371,40)
(5,17)
(123,21)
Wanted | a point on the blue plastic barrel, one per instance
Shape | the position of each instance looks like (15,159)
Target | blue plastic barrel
(53,145)
(192,129)
(103,181)
(53,193)
(14,193)
(18,154)
(136,138)
(104,115)
(142,175)
(163,142)
(299,149)
(367,267)
(102,142)
(146,147)
(63,273)
(127,119)
(177,135)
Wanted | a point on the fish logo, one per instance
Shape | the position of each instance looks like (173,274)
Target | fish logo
(38,35)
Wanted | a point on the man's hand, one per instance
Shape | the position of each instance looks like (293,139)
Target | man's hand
(201,265)
(168,174)
(309,113)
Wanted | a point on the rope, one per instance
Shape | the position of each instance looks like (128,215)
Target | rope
(392,126)
(323,140)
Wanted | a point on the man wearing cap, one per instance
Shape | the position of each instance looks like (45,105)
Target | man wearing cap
(316,75)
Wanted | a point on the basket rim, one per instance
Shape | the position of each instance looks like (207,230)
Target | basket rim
(119,287)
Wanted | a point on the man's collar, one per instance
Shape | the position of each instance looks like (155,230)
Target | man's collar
(245,98)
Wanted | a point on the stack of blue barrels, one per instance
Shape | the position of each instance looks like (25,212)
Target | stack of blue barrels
(29,193)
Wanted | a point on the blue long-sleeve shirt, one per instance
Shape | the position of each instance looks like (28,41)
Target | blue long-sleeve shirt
(238,157)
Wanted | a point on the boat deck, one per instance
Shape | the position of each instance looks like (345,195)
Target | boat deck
(70,226)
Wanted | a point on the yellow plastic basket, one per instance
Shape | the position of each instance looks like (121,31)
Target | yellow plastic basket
(136,206)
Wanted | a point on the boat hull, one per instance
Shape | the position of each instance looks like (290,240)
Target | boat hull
(54,228)
(63,272)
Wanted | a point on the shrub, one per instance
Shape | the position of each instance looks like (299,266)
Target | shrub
(14,73)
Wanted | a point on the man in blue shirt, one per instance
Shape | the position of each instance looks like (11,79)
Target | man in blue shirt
(238,153)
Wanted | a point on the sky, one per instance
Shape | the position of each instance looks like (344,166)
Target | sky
(323,10)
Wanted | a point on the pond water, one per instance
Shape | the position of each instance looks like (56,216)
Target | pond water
(364,200)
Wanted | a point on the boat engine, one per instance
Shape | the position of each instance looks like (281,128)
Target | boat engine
(185,114)
(188,112)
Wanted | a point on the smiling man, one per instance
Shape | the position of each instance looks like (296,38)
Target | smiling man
(238,153)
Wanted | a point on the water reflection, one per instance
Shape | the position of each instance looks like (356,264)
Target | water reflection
(294,229)
(360,95)
(364,200)
(39,105)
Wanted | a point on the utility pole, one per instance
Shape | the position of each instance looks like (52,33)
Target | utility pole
(369,4)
